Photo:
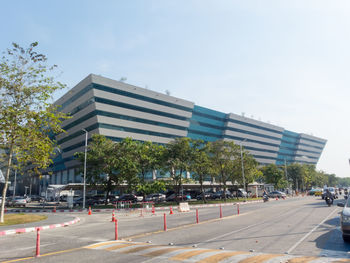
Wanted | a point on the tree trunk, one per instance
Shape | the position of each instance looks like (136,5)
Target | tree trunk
(9,163)
(202,190)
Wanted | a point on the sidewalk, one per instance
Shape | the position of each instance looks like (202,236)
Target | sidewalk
(52,221)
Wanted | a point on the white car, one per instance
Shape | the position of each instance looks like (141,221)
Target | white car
(19,201)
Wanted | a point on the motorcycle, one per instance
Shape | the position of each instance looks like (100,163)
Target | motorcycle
(265,198)
(329,201)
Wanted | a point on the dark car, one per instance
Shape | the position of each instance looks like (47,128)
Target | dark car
(177,198)
(221,194)
(208,196)
(128,197)
(88,201)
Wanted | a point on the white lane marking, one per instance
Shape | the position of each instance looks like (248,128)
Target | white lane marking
(311,231)
(238,230)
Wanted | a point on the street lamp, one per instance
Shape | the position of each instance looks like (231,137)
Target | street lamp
(240,144)
(84,180)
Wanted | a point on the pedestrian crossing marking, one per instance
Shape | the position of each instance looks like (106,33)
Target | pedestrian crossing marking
(260,258)
(138,249)
(160,252)
(204,255)
(301,259)
(220,256)
(119,246)
(190,254)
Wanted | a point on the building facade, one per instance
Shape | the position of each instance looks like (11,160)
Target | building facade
(118,110)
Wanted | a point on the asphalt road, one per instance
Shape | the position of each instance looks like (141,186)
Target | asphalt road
(295,226)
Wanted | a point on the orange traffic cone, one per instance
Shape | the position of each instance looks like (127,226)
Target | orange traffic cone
(113,216)
(54,209)
(171,210)
(89,210)
(276,198)
(153,210)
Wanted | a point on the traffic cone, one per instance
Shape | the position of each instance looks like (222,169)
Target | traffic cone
(113,216)
(89,210)
(276,198)
(54,209)
(171,210)
(5,209)
(153,210)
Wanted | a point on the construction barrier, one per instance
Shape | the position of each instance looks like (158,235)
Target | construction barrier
(123,205)
(184,207)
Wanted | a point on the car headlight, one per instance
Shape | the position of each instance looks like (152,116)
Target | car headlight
(345,219)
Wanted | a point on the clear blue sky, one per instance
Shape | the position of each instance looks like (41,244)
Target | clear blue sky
(286,62)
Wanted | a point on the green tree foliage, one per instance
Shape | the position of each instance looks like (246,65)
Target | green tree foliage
(102,163)
(250,166)
(151,187)
(148,156)
(27,117)
(200,163)
(222,156)
(273,175)
(177,158)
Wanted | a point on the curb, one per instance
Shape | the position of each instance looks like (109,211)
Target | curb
(32,229)
(162,208)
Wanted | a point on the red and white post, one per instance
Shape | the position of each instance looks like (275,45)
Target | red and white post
(237,209)
(197,217)
(220,211)
(165,227)
(116,229)
(37,254)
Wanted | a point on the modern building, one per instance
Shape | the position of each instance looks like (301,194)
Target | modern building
(118,110)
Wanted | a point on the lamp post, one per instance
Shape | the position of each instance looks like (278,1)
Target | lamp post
(243,166)
(84,179)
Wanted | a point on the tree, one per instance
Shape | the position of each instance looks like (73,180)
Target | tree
(151,187)
(148,156)
(223,155)
(101,164)
(251,173)
(129,169)
(200,163)
(273,175)
(27,117)
(177,158)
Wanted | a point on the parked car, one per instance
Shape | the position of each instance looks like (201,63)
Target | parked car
(18,201)
(157,198)
(277,194)
(37,198)
(242,193)
(28,199)
(208,196)
(221,194)
(128,197)
(176,197)
(345,220)
(88,201)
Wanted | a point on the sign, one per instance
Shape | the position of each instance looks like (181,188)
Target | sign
(184,207)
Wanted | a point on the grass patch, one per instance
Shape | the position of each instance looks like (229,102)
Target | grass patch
(14,219)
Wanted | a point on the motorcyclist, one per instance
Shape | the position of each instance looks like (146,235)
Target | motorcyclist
(329,195)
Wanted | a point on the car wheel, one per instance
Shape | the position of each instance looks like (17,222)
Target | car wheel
(346,239)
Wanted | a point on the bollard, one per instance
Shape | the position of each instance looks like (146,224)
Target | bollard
(116,229)
(237,209)
(165,228)
(153,210)
(54,209)
(141,213)
(197,217)
(37,242)
(220,211)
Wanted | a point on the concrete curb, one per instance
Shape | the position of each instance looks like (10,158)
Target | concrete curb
(162,208)
(32,229)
